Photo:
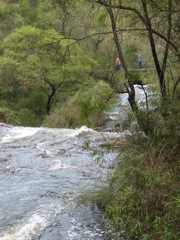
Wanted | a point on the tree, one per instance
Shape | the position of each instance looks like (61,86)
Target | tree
(159,21)
(42,59)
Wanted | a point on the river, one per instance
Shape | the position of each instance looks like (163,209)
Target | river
(43,174)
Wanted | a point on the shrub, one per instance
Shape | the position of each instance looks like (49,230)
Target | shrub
(86,107)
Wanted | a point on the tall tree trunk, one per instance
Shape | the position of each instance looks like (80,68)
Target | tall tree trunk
(131,90)
(160,71)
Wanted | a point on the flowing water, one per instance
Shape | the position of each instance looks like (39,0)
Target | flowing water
(44,171)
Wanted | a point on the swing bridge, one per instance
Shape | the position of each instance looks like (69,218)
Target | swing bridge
(129,70)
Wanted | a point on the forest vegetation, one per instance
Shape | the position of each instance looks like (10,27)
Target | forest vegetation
(57,69)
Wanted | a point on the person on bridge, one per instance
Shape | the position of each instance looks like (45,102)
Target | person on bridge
(140,62)
(118,63)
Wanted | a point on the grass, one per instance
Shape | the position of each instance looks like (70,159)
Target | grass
(143,196)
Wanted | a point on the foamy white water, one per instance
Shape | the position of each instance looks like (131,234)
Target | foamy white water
(18,132)
(42,173)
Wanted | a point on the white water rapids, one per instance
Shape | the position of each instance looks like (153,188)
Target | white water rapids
(43,171)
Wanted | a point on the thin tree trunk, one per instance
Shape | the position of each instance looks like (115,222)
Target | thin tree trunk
(50,95)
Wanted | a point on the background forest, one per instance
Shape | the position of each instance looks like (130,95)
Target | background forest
(57,69)
(57,58)
(48,63)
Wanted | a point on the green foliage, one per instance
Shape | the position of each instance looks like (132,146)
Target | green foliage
(27,12)
(9,115)
(10,88)
(36,102)
(27,117)
(29,41)
(86,107)
(135,77)
(38,62)
(131,54)
(102,16)
(93,100)
(35,59)
(9,18)
(63,116)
